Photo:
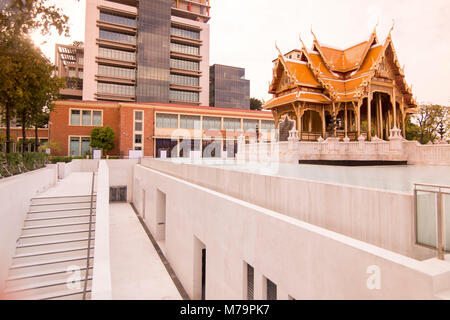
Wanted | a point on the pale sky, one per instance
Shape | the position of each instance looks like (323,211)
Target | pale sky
(243,34)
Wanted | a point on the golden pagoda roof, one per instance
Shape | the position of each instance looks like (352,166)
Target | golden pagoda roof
(339,75)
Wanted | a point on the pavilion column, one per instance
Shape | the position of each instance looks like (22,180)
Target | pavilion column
(345,119)
(350,115)
(380,107)
(394,106)
(377,106)
(324,127)
(369,116)
(310,121)
(404,126)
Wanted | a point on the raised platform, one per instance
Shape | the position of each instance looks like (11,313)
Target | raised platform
(354,163)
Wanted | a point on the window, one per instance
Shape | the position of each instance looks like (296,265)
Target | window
(184,64)
(80,74)
(189,122)
(116,89)
(138,130)
(118,19)
(75,117)
(79,146)
(250,282)
(81,60)
(185,33)
(97,118)
(250,125)
(188,96)
(86,118)
(271,290)
(183,48)
(267,125)
(116,54)
(231,124)
(117,36)
(116,72)
(184,80)
(164,120)
(211,123)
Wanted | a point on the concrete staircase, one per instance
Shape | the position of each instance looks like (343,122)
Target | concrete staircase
(51,256)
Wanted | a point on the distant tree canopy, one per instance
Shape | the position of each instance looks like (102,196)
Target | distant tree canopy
(255,104)
(27,81)
(431,123)
(103,139)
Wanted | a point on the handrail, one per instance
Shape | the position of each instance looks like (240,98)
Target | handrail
(89,239)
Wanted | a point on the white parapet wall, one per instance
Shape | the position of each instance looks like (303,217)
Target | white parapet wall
(76,165)
(121,174)
(370,215)
(15,195)
(101,278)
(303,260)
(331,149)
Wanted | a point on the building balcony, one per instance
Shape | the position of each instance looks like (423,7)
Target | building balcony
(116,44)
(110,26)
(185,72)
(115,97)
(185,56)
(190,14)
(117,80)
(185,88)
(184,40)
(115,63)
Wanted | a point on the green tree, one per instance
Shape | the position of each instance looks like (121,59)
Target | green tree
(428,119)
(18,18)
(412,130)
(102,138)
(255,104)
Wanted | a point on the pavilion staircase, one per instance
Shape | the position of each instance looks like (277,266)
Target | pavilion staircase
(51,258)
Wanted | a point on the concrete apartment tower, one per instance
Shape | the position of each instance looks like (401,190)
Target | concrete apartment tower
(147,51)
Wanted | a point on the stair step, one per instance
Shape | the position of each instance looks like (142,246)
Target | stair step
(40,256)
(63,276)
(59,206)
(44,230)
(39,200)
(58,210)
(77,296)
(48,268)
(58,236)
(46,290)
(66,244)
(62,214)
(37,222)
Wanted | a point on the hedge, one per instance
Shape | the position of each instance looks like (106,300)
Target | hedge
(16,163)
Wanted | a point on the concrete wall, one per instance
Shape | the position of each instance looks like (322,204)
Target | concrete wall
(382,218)
(101,279)
(15,195)
(303,260)
(77,165)
(121,174)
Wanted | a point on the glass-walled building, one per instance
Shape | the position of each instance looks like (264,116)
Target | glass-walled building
(147,51)
(228,87)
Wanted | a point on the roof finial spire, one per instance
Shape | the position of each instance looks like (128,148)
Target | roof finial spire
(303,44)
(392,28)
(278,49)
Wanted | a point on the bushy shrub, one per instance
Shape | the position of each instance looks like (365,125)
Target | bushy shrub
(16,163)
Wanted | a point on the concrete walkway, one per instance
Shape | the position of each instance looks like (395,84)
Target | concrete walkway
(137,272)
(76,184)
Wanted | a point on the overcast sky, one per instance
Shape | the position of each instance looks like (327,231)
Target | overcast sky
(243,34)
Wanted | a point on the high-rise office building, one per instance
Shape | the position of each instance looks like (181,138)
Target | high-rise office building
(69,61)
(228,87)
(147,51)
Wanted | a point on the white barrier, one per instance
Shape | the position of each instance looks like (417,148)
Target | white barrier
(101,278)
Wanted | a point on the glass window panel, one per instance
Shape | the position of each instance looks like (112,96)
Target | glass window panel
(74,146)
(117,36)
(250,125)
(138,138)
(138,115)
(211,123)
(231,124)
(183,48)
(189,122)
(85,146)
(86,118)
(97,118)
(166,120)
(75,117)
(138,126)
(116,18)
(185,33)
(116,54)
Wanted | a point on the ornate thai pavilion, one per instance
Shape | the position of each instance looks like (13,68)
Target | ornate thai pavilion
(359,91)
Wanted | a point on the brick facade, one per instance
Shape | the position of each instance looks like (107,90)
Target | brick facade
(120,117)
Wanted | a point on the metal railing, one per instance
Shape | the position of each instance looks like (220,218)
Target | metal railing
(89,239)
(424,223)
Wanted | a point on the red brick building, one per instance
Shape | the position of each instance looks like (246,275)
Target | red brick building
(152,127)
(17,136)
